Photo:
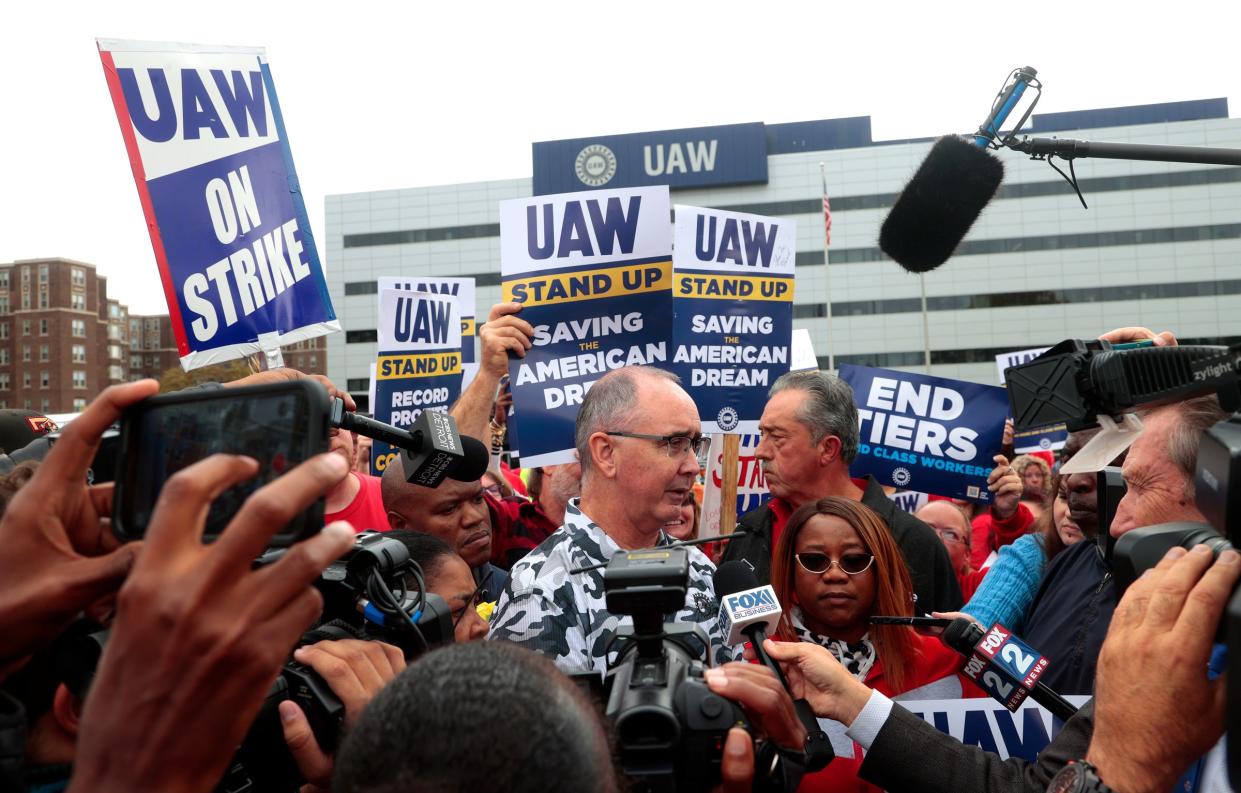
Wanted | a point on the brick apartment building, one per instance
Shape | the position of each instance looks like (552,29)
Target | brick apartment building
(62,340)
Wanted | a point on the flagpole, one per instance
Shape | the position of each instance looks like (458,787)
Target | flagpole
(827,277)
(926,333)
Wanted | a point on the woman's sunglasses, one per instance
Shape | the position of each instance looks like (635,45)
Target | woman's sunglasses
(851,563)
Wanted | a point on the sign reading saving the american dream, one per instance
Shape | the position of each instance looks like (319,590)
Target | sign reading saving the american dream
(751,484)
(925,433)
(593,272)
(732,299)
(731,154)
(419,365)
(463,290)
(215,176)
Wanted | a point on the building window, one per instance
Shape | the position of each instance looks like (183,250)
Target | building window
(26,384)
(4,279)
(25,298)
(26,274)
(43,301)
(115,373)
(4,356)
(77,301)
(43,327)
(79,353)
(114,352)
(26,352)
(360,336)
(314,363)
(44,380)
(4,330)
(43,353)
(78,275)
(46,405)
(135,362)
(4,381)
(43,273)
(79,405)
(4,305)
(79,379)
(25,327)
(79,328)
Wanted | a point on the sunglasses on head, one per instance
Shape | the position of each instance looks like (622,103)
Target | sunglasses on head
(851,563)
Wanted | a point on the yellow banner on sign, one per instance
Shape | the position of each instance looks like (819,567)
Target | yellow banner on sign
(467,327)
(732,287)
(423,364)
(541,290)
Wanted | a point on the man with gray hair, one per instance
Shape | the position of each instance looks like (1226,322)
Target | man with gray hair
(638,439)
(810,436)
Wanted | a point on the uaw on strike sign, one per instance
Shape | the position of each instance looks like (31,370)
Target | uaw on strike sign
(211,159)
(593,272)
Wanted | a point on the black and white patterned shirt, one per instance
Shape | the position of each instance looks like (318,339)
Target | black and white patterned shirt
(565,616)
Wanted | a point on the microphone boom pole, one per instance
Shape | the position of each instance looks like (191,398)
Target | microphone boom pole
(1071,149)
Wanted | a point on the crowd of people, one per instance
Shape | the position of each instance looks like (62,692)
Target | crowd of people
(197,632)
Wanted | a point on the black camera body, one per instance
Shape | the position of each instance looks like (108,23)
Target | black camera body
(670,727)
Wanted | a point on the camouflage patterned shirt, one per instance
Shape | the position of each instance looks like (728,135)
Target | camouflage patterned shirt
(565,616)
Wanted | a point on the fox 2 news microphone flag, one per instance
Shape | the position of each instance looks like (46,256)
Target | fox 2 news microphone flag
(925,433)
(593,272)
(211,158)
(419,366)
(732,298)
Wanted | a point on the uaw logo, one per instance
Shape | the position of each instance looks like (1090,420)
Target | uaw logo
(901,476)
(1044,443)
(595,165)
(726,419)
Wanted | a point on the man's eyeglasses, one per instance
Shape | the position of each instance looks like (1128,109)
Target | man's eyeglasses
(674,445)
(818,563)
(951,535)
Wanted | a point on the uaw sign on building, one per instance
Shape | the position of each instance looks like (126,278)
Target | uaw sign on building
(733,154)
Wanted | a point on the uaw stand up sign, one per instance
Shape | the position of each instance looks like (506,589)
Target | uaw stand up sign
(419,366)
(732,298)
(463,290)
(593,272)
(228,225)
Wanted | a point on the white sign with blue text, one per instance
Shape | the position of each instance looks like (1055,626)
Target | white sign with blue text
(926,433)
(419,364)
(463,290)
(593,272)
(732,297)
(210,156)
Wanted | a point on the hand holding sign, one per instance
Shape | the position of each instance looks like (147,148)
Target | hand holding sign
(505,333)
(1005,485)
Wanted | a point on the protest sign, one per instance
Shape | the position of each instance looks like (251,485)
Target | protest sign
(419,366)
(593,273)
(984,723)
(751,484)
(1007,359)
(1043,439)
(210,155)
(463,290)
(803,357)
(927,433)
(732,299)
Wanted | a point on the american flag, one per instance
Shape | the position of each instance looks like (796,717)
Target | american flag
(827,212)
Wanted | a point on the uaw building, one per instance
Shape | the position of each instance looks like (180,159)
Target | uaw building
(1160,244)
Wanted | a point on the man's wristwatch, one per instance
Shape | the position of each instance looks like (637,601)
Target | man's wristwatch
(1077,777)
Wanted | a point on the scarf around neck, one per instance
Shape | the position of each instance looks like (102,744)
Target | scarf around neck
(856,657)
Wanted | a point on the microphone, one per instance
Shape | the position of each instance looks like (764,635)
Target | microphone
(1005,667)
(950,189)
(431,451)
(748,611)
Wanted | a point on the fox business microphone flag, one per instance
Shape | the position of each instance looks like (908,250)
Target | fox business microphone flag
(926,433)
(732,300)
(593,272)
(210,155)
(419,366)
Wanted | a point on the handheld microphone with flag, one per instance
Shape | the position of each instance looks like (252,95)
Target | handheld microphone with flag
(749,611)
(950,188)
(1005,667)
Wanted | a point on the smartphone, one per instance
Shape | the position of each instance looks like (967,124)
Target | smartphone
(280,425)
(917,622)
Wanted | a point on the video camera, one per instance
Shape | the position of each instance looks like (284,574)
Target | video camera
(1077,381)
(375,592)
(670,727)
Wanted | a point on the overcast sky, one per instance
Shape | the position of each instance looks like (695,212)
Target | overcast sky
(386,95)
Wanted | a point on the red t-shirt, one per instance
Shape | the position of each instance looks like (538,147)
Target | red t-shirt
(366,511)
(989,534)
(935,663)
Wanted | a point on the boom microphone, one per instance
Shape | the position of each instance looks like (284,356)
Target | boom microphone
(950,189)
(1004,666)
(431,451)
(748,610)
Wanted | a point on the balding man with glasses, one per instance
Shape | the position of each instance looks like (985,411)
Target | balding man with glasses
(638,439)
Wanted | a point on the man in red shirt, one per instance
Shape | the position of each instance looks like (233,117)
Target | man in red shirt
(357,499)
(520,525)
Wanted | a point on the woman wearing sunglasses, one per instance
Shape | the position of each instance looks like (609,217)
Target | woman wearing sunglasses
(835,566)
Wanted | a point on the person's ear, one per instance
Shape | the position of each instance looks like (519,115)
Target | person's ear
(603,455)
(396,520)
(67,710)
(828,449)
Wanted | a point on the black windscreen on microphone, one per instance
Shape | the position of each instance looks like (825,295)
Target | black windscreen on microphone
(943,199)
(474,462)
(733,577)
